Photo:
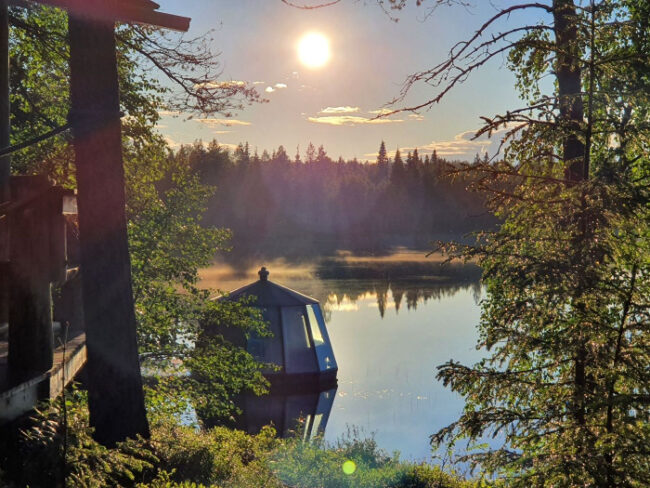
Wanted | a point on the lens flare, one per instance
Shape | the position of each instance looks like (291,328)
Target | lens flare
(349,467)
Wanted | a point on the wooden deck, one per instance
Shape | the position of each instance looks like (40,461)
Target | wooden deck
(17,400)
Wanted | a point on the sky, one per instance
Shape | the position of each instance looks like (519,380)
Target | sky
(334,105)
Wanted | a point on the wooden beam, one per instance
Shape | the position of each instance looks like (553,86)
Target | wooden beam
(24,397)
(128,11)
(115,396)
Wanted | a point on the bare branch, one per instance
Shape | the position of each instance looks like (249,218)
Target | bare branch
(310,7)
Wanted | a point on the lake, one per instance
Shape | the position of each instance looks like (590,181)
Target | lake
(391,319)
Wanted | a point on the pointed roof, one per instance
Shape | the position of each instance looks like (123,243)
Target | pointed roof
(269,294)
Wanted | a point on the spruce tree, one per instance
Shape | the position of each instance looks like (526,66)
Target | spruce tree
(564,389)
(398,170)
(382,156)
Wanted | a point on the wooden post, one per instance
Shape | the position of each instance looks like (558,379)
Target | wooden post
(31,345)
(116,400)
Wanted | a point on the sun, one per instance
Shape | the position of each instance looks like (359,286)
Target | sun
(314,50)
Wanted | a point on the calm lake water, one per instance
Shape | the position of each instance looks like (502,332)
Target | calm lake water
(392,320)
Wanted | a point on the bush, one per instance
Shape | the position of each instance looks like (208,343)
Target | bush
(319,465)
(179,456)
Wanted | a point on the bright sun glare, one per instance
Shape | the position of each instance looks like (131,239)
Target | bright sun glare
(314,50)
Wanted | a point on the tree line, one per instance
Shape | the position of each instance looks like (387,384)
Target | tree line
(276,204)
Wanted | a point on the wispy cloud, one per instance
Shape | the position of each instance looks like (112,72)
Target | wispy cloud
(170,113)
(340,110)
(417,117)
(222,132)
(462,146)
(381,111)
(221,84)
(172,143)
(228,146)
(277,86)
(226,122)
(351,120)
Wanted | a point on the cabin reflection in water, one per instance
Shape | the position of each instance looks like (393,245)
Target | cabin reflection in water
(304,413)
(300,345)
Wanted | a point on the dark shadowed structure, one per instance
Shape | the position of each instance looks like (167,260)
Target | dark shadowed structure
(300,345)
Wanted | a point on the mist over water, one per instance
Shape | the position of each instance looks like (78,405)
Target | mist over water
(392,320)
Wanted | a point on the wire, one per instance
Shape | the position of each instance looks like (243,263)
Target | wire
(17,147)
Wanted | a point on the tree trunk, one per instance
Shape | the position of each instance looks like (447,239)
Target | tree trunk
(116,400)
(569,80)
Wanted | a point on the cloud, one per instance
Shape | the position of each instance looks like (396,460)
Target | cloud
(171,142)
(227,145)
(222,132)
(386,111)
(258,83)
(340,110)
(277,86)
(462,146)
(381,111)
(221,84)
(170,113)
(227,122)
(351,120)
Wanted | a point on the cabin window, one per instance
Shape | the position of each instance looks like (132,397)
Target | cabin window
(315,329)
(298,351)
(321,340)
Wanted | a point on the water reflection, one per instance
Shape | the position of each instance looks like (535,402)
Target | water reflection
(404,278)
(304,411)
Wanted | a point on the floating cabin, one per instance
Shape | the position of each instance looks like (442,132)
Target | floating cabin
(300,345)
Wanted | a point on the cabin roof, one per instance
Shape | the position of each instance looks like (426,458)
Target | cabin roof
(270,294)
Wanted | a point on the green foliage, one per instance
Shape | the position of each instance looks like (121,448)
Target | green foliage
(316,464)
(218,455)
(563,394)
(179,456)
(46,442)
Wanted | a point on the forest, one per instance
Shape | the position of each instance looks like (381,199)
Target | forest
(277,205)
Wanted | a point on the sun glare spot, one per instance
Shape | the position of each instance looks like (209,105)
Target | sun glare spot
(314,50)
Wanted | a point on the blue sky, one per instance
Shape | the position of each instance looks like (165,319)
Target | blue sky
(370,57)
